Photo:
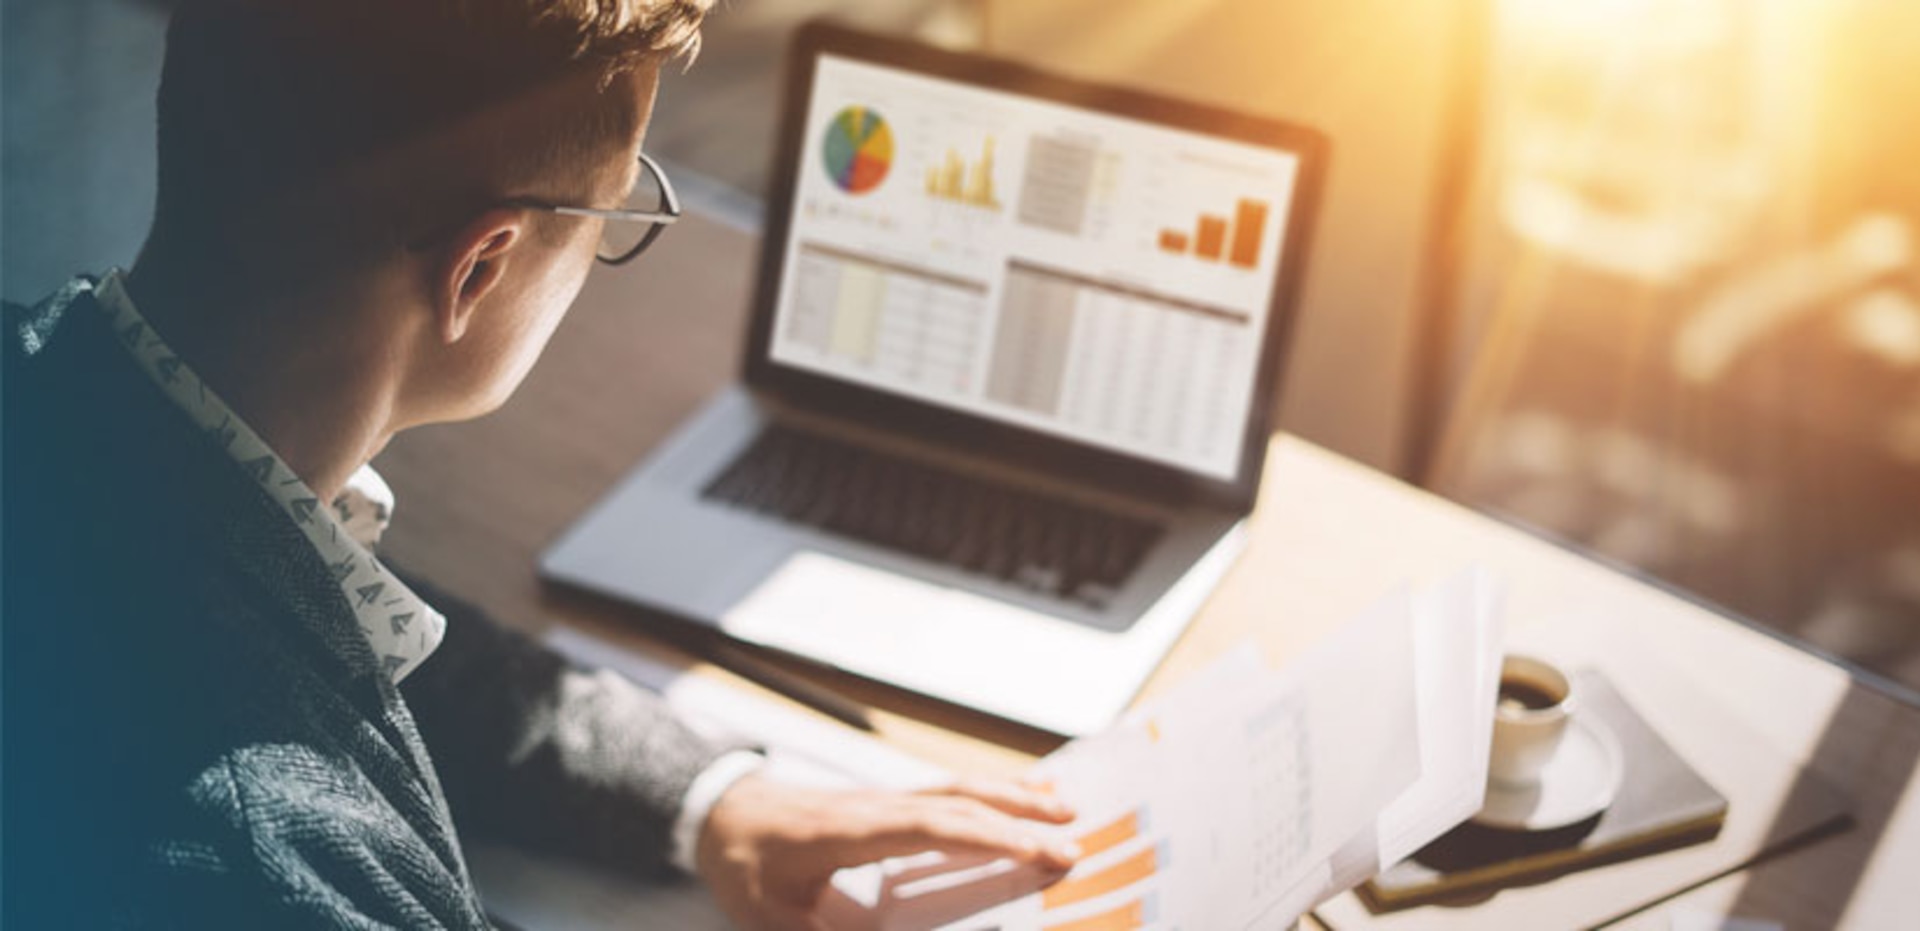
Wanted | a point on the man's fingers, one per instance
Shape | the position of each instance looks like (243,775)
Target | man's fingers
(953,825)
(1012,798)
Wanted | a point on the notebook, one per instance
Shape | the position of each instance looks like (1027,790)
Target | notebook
(1776,803)
(1663,804)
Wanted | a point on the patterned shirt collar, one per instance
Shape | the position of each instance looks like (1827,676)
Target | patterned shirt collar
(402,629)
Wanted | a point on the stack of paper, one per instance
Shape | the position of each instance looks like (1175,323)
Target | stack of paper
(1246,796)
(1240,800)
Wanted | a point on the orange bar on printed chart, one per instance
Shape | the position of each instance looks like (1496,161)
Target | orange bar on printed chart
(1113,834)
(1173,241)
(1210,237)
(1118,876)
(1249,223)
(1127,917)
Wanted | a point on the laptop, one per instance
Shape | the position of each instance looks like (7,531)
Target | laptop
(1007,390)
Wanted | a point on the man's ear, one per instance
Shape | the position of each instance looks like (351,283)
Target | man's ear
(472,263)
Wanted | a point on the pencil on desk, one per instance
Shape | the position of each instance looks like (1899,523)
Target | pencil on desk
(771,677)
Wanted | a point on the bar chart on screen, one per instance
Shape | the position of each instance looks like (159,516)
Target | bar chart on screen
(1216,238)
(1089,276)
(961,181)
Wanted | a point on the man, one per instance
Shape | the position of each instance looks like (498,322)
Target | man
(220,709)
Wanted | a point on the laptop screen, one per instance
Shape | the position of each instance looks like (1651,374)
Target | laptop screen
(1097,278)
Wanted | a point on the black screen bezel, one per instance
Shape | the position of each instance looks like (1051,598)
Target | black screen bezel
(1020,446)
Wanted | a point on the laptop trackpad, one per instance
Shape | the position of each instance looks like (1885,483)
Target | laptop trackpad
(953,644)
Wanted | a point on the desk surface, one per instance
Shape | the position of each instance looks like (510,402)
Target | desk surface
(645,346)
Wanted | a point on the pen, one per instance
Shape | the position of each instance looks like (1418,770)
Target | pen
(766,675)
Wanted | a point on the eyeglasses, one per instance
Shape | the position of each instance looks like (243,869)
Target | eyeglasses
(629,229)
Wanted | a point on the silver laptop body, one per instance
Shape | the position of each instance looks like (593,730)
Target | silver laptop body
(1006,394)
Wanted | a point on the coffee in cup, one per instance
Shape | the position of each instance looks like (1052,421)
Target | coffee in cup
(1530,716)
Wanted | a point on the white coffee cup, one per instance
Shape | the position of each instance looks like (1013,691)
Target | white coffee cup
(1536,701)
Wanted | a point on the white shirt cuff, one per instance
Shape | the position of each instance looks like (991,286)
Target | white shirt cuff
(713,782)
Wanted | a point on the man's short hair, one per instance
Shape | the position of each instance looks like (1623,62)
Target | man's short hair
(308,106)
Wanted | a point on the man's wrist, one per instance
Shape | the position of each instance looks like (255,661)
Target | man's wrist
(705,791)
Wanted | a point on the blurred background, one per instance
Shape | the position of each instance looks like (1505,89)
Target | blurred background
(1639,275)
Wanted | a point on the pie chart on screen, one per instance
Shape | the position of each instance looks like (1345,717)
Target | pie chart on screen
(859,150)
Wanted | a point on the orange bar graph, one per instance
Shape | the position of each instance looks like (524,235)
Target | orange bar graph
(1215,238)
(1118,876)
(1119,831)
(1127,917)
(1249,224)
(1210,237)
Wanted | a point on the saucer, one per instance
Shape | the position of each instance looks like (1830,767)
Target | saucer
(1578,783)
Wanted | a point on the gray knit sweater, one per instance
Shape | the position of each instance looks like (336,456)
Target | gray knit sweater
(196,732)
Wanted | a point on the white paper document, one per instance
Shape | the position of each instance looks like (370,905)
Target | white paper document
(1246,796)
(1240,799)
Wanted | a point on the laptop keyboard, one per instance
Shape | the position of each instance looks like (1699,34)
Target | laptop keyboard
(1044,543)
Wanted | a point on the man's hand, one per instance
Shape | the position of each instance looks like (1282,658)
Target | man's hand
(768,850)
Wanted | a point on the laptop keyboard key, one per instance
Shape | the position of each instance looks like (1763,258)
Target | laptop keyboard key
(1046,544)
